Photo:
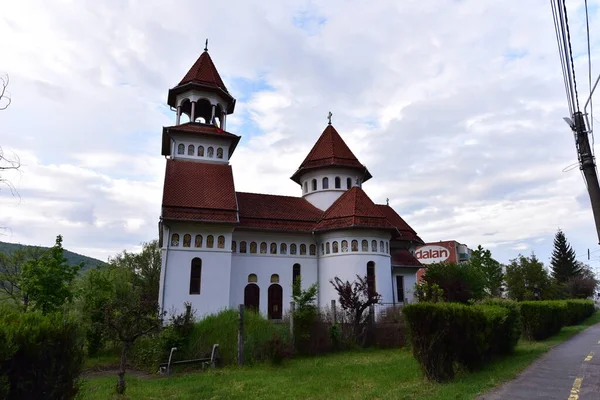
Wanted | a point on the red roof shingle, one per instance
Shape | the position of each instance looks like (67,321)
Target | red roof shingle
(199,191)
(330,150)
(204,73)
(264,211)
(404,230)
(403,258)
(351,210)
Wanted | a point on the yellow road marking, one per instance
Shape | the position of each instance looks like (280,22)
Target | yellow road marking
(575,389)
(589,357)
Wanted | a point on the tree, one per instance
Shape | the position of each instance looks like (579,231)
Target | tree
(305,313)
(563,263)
(11,265)
(145,266)
(4,95)
(526,276)
(129,314)
(459,282)
(583,285)
(493,276)
(355,298)
(48,281)
(6,163)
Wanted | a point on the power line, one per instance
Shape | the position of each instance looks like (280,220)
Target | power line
(587,27)
(571,54)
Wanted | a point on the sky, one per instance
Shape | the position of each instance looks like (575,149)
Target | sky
(455,107)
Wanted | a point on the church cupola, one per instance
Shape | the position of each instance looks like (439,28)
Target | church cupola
(203,98)
(329,170)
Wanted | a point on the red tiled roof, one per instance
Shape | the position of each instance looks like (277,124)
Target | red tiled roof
(406,232)
(199,191)
(197,128)
(403,258)
(330,150)
(351,210)
(204,73)
(264,211)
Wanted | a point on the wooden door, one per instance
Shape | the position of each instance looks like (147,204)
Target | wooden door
(275,301)
(251,297)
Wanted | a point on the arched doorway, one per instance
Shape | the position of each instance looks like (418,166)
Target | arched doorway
(275,301)
(251,297)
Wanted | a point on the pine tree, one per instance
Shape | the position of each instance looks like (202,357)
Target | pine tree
(563,263)
(492,270)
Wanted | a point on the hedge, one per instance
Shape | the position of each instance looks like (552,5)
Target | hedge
(542,319)
(41,356)
(579,310)
(513,328)
(442,334)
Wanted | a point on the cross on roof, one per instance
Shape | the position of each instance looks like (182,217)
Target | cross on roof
(329,117)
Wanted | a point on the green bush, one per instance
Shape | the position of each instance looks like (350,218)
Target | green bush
(443,334)
(579,310)
(221,329)
(41,356)
(512,329)
(459,282)
(542,319)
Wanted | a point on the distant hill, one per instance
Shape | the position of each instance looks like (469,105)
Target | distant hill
(72,258)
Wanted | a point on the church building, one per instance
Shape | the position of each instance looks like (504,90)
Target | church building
(221,248)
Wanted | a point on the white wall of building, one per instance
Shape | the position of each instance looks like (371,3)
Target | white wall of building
(323,198)
(206,142)
(410,278)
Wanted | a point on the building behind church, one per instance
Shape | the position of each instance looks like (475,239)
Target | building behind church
(221,247)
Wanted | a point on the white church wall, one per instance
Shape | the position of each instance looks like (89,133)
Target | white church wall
(346,265)
(190,142)
(266,264)
(323,198)
(215,272)
(410,278)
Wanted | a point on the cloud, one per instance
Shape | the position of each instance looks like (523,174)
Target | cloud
(455,107)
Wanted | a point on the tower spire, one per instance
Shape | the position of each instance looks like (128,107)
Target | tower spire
(329,117)
(206,45)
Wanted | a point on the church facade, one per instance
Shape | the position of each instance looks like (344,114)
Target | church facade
(221,248)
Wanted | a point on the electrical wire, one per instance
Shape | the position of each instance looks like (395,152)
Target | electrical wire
(561,53)
(571,54)
(587,27)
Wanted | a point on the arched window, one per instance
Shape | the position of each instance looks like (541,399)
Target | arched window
(371,277)
(387,247)
(305,187)
(373,245)
(181,148)
(263,248)
(187,240)
(273,248)
(191,150)
(283,249)
(195,276)
(338,182)
(355,245)
(322,248)
(210,152)
(252,278)
(198,241)
(325,183)
(275,300)
(210,241)
(381,247)
(334,246)
(253,247)
(242,247)
(175,240)
(314,184)
(296,278)
(348,183)
(327,248)
(252,297)
(274,278)
(221,242)
(364,245)
(344,246)
(219,152)
(302,249)
(233,246)
(313,250)
(293,249)
(200,151)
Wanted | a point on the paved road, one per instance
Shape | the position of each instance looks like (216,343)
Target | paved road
(570,371)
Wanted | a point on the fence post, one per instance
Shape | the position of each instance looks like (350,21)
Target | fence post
(240,355)
(292,312)
(333,312)
(372,314)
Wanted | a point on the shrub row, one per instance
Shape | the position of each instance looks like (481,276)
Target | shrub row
(542,319)
(443,334)
(41,356)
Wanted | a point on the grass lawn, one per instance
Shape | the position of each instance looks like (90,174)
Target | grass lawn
(377,374)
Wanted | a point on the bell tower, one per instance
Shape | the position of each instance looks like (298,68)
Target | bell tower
(201,102)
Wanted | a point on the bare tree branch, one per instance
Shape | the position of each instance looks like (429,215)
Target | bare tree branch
(4,95)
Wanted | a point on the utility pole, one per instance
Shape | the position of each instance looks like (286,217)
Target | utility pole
(587,165)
